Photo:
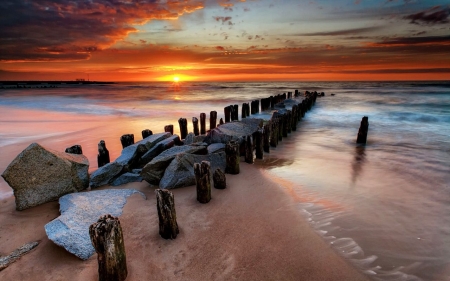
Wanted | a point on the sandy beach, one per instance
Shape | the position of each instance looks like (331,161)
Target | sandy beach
(249,231)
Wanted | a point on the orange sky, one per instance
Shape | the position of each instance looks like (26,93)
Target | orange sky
(216,40)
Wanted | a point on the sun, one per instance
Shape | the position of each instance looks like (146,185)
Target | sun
(176,79)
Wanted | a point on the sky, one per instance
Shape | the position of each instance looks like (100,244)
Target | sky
(225,40)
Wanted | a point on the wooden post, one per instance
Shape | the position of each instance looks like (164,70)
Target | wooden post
(146,133)
(212,119)
(233,157)
(127,140)
(168,129)
(203,181)
(227,112)
(249,150)
(202,123)
(221,121)
(266,137)
(363,130)
(259,147)
(288,122)
(235,116)
(219,179)
(165,202)
(195,125)
(103,154)
(243,111)
(183,128)
(107,239)
(294,117)
(274,131)
(75,149)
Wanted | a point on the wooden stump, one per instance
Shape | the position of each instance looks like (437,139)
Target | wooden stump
(146,133)
(183,128)
(212,119)
(243,111)
(266,137)
(127,140)
(107,239)
(235,113)
(363,130)
(202,123)
(227,112)
(168,129)
(195,125)
(74,149)
(294,117)
(165,202)
(249,150)
(203,181)
(221,121)
(274,131)
(258,138)
(219,179)
(233,157)
(103,154)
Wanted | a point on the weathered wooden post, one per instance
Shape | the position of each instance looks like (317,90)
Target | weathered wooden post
(146,133)
(243,111)
(274,131)
(168,129)
(363,130)
(165,202)
(294,117)
(107,239)
(221,121)
(74,149)
(183,128)
(212,119)
(289,95)
(203,181)
(249,149)
(259,141)
(266,137)
(219,179)
(127,140)
(103,154)
(235,116)
(195,125)
(288,122)
(202,123)
(296,93)
(233,157)
(227,112)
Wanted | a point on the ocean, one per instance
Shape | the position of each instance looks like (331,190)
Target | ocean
(385,206)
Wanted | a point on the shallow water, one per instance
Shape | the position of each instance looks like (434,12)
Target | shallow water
(384,206)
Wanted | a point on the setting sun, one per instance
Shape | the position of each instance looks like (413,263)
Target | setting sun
(176,79)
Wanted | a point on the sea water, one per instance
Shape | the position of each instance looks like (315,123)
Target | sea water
(384,206)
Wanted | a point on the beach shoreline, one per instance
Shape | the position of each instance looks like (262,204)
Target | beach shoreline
(252,230)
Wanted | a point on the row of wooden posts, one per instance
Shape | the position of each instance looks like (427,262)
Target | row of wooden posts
(106,233)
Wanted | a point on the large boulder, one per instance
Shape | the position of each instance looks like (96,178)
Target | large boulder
(131,155)
(78,211)
(39,175)
(191,138)
(216,147)
(180,172)
(154,171)
(158,148)
(105,174)
(233,131)
(126,178)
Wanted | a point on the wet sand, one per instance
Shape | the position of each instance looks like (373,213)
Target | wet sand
(250,231)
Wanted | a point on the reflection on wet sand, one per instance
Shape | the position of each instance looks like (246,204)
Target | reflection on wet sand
(273,162)
(358,162)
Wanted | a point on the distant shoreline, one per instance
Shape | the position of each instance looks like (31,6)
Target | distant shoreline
(53,82)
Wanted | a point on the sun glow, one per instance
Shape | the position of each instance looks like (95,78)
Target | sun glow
(176,79)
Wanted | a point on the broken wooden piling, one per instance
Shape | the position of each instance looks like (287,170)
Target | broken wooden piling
(195,125)
(219,179)
(259,143)
(127,140)
(249,149)
(103,154)
(363,130)
(183,128)
(203,181)
(74,149)
(212,119)
(168,129)
(146,133)
(232,158)
(165,202)
(202,123)
(107,239)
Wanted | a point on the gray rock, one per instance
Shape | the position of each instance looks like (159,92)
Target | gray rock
(39,175)
(78,211)
(136,171)
(180,172)
(105,174)
(233,131)
(130,156)
(126,178)
(154,171)
(158,148)
(191,138)
(216,147)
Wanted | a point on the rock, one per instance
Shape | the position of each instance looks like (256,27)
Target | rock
(136,171)
(126,178)
(131,155)
(158,148)
(192,138)
(39,175)
(153,171)
(233,131)
(180,172)
(216,147)
(78,211)
(105,174)
(5,261)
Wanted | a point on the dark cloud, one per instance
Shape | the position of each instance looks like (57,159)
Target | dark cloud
(71,30)
(435,15)
(342,32)
(224,20)
(424,40)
